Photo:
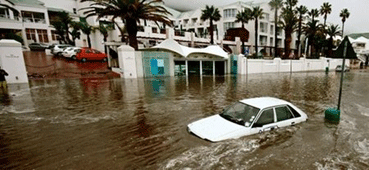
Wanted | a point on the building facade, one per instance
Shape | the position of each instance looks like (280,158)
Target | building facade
(33,25)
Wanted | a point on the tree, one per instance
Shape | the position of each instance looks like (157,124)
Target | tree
(86,29)
(212,14)
(257,13)
(130,12)
(287,22)
(313,13)
(311,30)
(325,9)
(60,31)
(75,31)
(66,20)
(344,15)
(301,11)
(104,30)
(275,5)
(244,16)
(332,31)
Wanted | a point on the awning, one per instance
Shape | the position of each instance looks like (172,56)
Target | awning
(184,51)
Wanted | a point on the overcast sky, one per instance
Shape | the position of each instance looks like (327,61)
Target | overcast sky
(358,22)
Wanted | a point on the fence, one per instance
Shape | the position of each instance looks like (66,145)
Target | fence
(250,66)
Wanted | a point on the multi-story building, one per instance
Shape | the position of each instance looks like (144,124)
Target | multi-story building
(33,24)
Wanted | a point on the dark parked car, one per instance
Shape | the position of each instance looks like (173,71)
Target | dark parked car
(38,46)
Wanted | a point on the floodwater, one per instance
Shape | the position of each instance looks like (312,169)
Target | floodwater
(100,123)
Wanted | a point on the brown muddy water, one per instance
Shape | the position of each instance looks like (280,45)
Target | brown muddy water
(97,123)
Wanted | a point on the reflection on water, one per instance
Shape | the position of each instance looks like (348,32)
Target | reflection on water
(99,123)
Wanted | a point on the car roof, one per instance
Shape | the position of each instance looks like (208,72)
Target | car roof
(264,102)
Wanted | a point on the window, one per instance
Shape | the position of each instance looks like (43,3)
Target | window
(228,13)
(271,42)
(228,25)
(272,30)
(297,114)
(97,52)
(266,117)
(266,17)
(4,13)
(31,34)
(283,113)
(42,36)
(240,113)
(154,30)
(54,36)
(263,27)
(88,51)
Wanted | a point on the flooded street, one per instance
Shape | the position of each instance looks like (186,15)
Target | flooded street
(101,123)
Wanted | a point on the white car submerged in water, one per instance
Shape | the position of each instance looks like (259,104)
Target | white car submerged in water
(247,117)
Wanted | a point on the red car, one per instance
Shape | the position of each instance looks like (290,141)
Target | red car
(85,54)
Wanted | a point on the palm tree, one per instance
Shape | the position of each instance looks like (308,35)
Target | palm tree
(212,14)
(287,22)
(325,9)
(257,13)
(344,15)
(301,10)
(313,13)
(59,30)
(66,20)
(75,32)
(86,29)
(130,12)
(311,30)
(275,5)
(244,17)
(332,31)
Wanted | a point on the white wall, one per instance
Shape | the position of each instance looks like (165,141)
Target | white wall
(250,66)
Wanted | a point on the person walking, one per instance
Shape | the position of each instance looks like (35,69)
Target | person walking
(3,84)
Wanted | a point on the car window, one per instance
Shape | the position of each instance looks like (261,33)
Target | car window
(283,113)
(97,52)
(295,113)
(240,113)
(77,50)
(87,51)
(265,118)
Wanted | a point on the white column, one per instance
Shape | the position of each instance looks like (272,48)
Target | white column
(186,68)
(200,67)
(24,37)
(213,67)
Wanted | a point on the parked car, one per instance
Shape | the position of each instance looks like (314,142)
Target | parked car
(85,54)
(70,52)
(247,117)
(37,46)
(339,68)
(59,48)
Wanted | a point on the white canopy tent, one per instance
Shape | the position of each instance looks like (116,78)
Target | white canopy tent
(184,51)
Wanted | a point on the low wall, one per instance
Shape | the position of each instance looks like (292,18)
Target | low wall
(250,66)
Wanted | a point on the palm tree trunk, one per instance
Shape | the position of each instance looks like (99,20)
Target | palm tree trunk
(299,37)
(256,37)
(243,42)
(330,42)
(132,33)
(88,40)
(211,32)
(288,45)
(275,32)
(343,28)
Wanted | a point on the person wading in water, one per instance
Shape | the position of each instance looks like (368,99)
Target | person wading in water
(3,84)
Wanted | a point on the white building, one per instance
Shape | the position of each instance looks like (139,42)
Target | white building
(33,25)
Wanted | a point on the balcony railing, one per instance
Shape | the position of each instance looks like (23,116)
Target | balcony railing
(34,20)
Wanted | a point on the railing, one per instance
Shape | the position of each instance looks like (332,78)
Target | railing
(34,20)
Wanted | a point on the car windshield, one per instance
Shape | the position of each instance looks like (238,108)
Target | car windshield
(240,113)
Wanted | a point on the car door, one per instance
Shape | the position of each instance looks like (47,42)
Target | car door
(87,54)
(284,116)
(265,122)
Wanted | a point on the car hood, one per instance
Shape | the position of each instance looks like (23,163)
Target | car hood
(215,128)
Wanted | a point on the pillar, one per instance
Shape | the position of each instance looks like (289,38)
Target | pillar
(127,61)
(12,61)
(200,67)
(186,67)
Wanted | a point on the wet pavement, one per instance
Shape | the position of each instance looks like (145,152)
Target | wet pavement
(101,123)
(39,65)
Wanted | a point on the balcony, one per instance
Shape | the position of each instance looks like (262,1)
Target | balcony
(34,20)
